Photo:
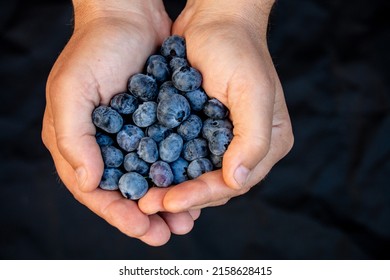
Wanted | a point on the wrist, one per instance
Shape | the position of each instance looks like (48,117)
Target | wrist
(86,11)
(252,12)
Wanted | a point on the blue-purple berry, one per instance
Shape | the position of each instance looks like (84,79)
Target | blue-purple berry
(124,103)
(110,179)
(179,170)
(220,140)
(158,132)
(161,174)
(215,109)
(112,156)
(190,128)
(198,167)
(157,66)
(143,87)
(187,78)
(172,46)
(195,148)
(170,148)
(197,99)
(173,110)
(103,139)
(148,150)
(146,114)
(133,185)
(129,137)
(107,119)
(133,163)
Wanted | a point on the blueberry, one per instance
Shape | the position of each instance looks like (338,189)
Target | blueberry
(124,103)
(133,185)
(129,137)
(161,174)
(110,179)
(103,139)
(179,170)
(210,125)
(198,167)
(107,119)
(177,62)
(195,148)
(146,114)
(112,157)
(173,110)
(215,109)
(158,132)
(171,147)
(143,86)
(157,66)
(174,46)
(216,161)
(197,99)
(148,150)
(190,128)
(220,140)
(187,78)
(132,162)
(166,89)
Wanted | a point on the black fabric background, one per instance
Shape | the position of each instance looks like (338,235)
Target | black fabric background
(328,199)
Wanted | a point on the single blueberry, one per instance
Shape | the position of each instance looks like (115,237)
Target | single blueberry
(171,147)
(133,185)
(173,45)
(166,89)
(216,161)
(148,150)
(187,78)
(133,163)
(112,157)
(173,110)
(107,119)
(220,140)
(146,114)
(190,128)
(215,109)
(177,62)
(197,99)
(161,174)
(157,66)
(210,125)
(198,167)
(124,103)
(103,139)
(143,86)
(158,132)
(179,170)
(129,136)
(195,148)
(110,179)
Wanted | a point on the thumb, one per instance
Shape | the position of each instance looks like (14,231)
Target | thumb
(251,111)
(75,132)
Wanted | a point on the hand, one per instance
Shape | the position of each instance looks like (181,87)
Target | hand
(111,41)
(226,41)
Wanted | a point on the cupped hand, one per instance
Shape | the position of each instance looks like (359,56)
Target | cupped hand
(108,46)
(227,43)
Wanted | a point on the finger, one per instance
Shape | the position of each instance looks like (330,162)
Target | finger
(152,201)
(207,190)
(251,102)
(72,108)
(179,223)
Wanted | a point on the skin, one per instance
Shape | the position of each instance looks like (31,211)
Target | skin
(96,64)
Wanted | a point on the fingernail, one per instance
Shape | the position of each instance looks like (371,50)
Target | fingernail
(81,175)
(241,175)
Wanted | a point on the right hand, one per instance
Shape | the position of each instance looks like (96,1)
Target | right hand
(111,41)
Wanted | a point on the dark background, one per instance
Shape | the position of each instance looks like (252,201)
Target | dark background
(328,199)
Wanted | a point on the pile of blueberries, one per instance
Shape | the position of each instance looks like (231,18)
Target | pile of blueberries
(164,130)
